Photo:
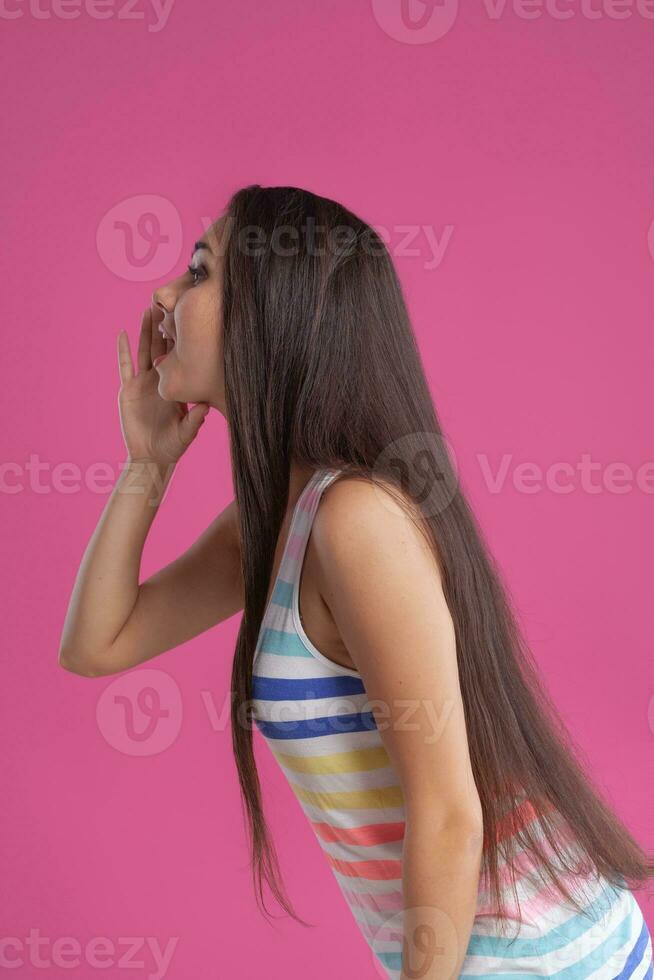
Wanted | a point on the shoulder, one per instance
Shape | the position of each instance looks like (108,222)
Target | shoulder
(379,576)
(363,527)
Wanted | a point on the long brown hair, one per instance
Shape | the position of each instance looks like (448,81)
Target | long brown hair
(322,367)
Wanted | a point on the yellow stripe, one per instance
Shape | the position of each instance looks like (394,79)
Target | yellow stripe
(365,799)
(361,760)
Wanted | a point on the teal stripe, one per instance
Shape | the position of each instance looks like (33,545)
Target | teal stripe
(282,593)
(282,644)
(556,938)
(499,947)
(600,955)
(577,971)
(393,961)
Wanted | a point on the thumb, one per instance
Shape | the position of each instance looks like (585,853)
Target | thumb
(190,424)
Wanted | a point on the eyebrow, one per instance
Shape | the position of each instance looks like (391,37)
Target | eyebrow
(201,245)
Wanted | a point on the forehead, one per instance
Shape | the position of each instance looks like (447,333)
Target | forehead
(213,237)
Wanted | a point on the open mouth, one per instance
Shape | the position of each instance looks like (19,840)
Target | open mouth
(168,338)
(169,342)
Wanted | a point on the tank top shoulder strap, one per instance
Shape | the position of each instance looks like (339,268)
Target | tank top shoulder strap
(314,489)
(305,512)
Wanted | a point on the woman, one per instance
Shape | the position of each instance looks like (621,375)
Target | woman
(378,655)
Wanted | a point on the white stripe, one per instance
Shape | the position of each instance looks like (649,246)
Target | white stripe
(326,744)
(342,851)
(343,782)
(333,708)
(353,817)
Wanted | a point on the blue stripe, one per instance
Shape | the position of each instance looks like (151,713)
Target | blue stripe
(636,955)
(305,688)
(316,727)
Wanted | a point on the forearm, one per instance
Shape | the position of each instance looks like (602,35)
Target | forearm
(440,887)
(107,583)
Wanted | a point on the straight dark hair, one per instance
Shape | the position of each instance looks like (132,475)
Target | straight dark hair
(322,367)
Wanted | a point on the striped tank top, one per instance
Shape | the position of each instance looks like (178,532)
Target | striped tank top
(315,717)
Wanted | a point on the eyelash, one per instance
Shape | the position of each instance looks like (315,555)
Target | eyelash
(194,271)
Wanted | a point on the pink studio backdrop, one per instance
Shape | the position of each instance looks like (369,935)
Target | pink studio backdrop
(507,154)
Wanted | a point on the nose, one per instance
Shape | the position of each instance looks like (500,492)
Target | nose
(163,299)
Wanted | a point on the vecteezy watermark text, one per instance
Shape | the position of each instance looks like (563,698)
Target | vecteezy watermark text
(99,953)
(559,476)
(155,12)
(42,477)
(140,238)
(426,21)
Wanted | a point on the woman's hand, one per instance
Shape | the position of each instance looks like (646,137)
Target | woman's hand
(153,428)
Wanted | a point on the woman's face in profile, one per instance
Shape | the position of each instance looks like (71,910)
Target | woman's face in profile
(189,311)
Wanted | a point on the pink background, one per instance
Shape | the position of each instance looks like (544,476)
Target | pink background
(526,145)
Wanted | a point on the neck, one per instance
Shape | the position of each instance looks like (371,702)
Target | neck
(299,476)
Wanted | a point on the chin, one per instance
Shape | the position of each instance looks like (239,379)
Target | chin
(169,391)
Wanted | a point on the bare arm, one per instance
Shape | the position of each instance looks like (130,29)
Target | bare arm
(384,590)
(113,622)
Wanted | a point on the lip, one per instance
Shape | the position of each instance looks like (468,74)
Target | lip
(159,359)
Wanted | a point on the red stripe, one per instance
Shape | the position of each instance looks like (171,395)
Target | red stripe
(523,814)
(367,835)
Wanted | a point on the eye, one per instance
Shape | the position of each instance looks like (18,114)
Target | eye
(198,271)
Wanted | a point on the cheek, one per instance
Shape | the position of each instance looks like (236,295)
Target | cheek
(195,367)
(199,352)
(199,357)
(198,324)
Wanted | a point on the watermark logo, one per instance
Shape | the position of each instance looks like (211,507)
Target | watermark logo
(416,21)
(140,713)
(426,937)
(425,465)
(425,21)
(140,238)
(418,461)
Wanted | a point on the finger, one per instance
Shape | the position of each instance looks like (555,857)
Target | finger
(144,360)
(190,424)
(125,365)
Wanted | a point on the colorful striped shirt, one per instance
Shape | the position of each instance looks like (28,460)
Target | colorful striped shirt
(314,715)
